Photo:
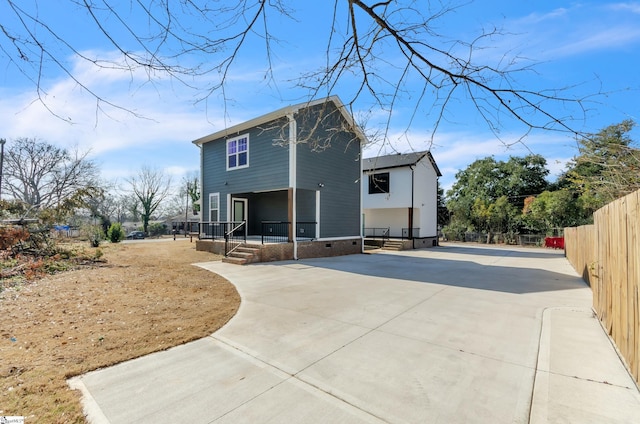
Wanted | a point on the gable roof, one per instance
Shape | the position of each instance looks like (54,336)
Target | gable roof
(398,160)
(288,110)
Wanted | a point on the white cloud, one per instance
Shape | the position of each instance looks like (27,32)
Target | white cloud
(118,138)
(536,18)
(596,40)
(454,151)
(564,32)
(632,7)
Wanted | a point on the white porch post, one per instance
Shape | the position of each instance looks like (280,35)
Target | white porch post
(293,181)
(317,214)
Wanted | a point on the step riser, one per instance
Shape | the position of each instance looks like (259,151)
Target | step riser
(243,255)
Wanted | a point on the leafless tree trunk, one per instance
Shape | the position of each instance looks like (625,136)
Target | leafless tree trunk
(150,187)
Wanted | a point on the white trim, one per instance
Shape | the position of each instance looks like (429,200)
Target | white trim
(226,152)
(285,111)
(245,218)
(246,205)
(361,204)
(317,213)
(292,181)
(339,238)
(211,195)
(228,218)
(201,188)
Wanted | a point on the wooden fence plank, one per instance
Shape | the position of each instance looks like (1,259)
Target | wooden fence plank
(607,254)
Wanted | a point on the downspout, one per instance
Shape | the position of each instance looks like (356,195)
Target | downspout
(413,240)
(293,178)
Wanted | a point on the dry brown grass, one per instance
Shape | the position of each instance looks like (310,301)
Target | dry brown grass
(147,297)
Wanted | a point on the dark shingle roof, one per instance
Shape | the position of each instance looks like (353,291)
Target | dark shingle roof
(397,161)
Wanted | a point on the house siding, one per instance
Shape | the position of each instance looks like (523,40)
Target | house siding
(266,207)
(336,168)
(426,199)
(268,165)
(384,210)
(399,190)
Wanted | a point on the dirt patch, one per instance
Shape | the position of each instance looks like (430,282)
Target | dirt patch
(147,297)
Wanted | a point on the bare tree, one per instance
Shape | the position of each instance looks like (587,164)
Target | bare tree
(120,208)
(45,176)
(150,188)
(374,48)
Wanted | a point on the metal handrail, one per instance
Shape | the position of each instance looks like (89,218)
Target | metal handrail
(384,235)
(228,237)
(237,227)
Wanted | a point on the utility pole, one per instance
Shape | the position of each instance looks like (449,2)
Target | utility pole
(186,211)
(2,141)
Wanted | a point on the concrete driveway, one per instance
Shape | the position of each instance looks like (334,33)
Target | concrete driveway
(454,334)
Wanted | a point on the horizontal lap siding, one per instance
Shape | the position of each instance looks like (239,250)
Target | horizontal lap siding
(337,167)
(271,206)
(268,165)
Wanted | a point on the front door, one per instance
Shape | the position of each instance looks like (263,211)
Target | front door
(239,212)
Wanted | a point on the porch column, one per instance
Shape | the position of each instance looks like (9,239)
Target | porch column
(293,184)
(290,217)
(410,235)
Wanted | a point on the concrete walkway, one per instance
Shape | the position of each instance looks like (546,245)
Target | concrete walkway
(454,334)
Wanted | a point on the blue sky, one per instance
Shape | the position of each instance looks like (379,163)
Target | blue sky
(590,47)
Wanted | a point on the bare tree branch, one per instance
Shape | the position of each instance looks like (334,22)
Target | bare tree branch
(384,47)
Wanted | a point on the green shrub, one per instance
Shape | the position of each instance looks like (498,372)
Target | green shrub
(93,233)
(157,229)
(115,234)
(454,232)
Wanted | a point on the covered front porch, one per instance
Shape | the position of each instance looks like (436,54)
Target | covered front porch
(268,214)
(265,228)
(253,250)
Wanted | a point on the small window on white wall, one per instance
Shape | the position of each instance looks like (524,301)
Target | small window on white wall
(379,183)
(238,152)
(214,207)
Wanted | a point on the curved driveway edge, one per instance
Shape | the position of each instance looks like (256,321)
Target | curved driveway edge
(454,334)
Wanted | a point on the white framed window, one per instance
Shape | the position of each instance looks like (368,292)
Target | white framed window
(214,207)
(238,152)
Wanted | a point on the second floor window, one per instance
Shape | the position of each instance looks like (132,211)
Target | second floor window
(379,183)
(238,152)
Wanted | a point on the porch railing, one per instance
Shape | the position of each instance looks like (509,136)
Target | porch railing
(278,231)
(233,233)
(236,235)
(377,232)
(213,230)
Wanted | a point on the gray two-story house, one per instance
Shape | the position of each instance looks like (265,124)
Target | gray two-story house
(291,176)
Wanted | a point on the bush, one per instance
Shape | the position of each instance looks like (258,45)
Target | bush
(157,229)
(93,233)
(10,236)
(115,234)
(454,232)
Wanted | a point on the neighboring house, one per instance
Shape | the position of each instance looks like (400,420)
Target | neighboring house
(187,220)
(399,197)
(294,172)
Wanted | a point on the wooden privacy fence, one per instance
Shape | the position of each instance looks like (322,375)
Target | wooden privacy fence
(607,254)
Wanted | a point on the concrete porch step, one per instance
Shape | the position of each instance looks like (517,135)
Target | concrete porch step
(393,245)
(234,260)
(243,255)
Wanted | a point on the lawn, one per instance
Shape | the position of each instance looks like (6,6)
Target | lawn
(144,297)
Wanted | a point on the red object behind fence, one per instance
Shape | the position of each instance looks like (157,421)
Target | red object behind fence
(554,242)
